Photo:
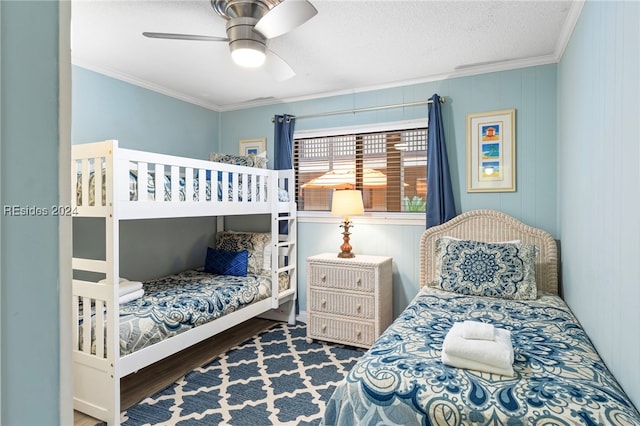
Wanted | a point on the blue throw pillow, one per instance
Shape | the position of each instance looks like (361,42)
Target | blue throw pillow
(226,262)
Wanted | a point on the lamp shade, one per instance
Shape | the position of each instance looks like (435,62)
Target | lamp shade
(347,202)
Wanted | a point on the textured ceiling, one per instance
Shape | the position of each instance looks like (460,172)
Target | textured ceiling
(350,45)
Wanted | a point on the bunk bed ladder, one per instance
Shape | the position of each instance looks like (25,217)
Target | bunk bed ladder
(284,261)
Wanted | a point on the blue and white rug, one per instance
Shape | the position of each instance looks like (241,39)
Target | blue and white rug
(274,378)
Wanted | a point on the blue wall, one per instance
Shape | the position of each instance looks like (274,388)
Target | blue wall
(531,91)
(599,181)
(105,108)
(29,311)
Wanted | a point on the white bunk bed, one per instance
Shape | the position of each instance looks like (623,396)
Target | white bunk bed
(97,363)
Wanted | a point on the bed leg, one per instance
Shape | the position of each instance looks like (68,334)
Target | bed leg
(97,391)
(285,312)
(291,320)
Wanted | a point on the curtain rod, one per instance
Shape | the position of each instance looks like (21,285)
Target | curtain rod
(351,111)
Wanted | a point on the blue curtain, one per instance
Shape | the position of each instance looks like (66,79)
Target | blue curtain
(283,138)
(440,204)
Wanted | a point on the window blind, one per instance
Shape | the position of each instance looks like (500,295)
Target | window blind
(389,167)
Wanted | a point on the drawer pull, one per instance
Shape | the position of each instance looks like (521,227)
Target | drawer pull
(324,328)
(359,308)
(323,278)
(324,302)
(358,333)
(359,282)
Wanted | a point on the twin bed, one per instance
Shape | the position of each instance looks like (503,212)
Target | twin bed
(246,274)
(559,379)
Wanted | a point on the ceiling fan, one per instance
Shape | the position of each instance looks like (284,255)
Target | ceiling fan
(250,25)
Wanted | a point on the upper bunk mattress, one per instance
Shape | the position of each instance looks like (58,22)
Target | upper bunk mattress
(135,195)
(559,377)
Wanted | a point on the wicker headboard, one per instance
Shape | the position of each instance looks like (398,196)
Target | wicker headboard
(492,226)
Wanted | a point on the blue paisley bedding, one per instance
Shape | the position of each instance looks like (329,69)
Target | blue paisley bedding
(177,303)
(134,195)
(559,377)
(180,302)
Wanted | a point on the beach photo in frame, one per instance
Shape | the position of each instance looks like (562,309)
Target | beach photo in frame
(253,146)
(491,151)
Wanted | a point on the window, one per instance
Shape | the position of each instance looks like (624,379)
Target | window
(388,166)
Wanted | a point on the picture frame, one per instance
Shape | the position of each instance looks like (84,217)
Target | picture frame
(491,151)
(254,146)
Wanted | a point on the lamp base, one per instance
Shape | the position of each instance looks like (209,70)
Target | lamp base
(346,255)
(345,248)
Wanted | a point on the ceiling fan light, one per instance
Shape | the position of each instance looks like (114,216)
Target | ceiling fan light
(248,57)
(248,53)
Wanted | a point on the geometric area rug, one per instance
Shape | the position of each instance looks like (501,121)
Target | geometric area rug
(273,378)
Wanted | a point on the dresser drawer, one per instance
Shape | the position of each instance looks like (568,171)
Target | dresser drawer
(343,278)
(340,330)
(352,305)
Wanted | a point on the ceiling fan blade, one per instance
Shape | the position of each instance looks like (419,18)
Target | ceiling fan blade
(184,37)
(284,17)
(277,67)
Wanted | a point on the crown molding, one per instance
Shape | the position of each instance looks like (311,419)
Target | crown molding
(79,62)
(569,25)
(563,40)
(465,72)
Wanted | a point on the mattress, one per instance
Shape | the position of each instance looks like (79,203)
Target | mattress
(174,304)
(559,377)
(150,194)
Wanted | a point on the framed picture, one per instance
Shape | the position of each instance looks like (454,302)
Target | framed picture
(491,151)
(253,146)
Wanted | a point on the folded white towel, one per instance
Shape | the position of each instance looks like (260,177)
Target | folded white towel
(478,330)
(120,281)
(468,364)
(129,287)
(125,286)
(131,296)
(497,353)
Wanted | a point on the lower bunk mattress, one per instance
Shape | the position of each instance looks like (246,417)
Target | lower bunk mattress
(177,303)
(559,378)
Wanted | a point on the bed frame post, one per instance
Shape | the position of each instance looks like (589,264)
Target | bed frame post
(113,318)
(96,367)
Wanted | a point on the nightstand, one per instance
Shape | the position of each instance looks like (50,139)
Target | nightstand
(349,301)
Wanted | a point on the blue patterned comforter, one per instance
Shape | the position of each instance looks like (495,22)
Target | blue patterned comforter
(559,377)
(134,195)
(180,302)
(177,303)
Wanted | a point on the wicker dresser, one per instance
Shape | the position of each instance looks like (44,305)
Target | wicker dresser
(348,300)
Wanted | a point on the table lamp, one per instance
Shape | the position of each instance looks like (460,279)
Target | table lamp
(346,202)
